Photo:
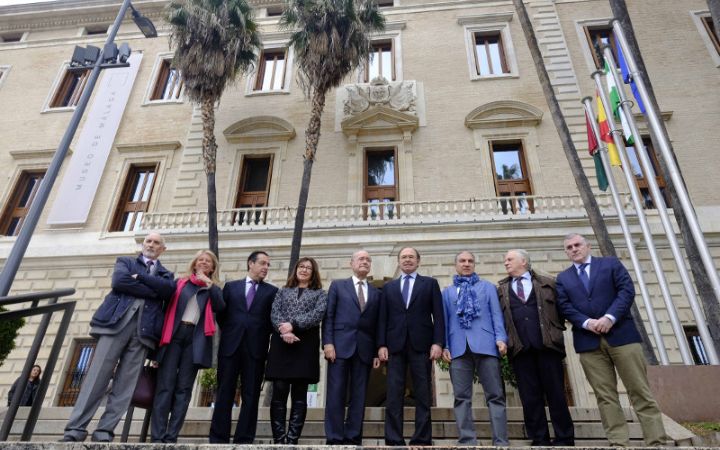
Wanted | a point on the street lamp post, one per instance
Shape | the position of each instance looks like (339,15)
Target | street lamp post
(33,216)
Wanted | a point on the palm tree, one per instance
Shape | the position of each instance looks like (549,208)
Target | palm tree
(215,41)
(591,207)
(702,282)
(331,38)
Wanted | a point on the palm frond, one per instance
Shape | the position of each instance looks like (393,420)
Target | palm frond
(214,41)
(331,38)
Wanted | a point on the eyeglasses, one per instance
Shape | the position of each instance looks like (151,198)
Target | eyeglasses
(308,268)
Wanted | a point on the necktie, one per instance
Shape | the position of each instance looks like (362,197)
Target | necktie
(519,289)
(584,276)
(150,266)
(406,290)
(251,294)
(361,295)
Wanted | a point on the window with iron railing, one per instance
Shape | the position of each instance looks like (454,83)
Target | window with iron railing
(77,370)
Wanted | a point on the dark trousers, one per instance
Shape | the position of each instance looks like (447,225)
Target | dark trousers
(540,377)
(250,371)
(176,377)
(282,389)
(341,374)
(420,366)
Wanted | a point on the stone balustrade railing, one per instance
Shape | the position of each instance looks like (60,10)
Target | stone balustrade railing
(382,213)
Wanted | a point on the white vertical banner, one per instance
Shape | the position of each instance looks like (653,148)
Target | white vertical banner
(80,182)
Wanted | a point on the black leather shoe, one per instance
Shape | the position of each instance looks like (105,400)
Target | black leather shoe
(68,439)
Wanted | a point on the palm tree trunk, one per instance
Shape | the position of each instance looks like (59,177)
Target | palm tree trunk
(209,149)
(591,207)
(312,137)
(714,7)
(702,282)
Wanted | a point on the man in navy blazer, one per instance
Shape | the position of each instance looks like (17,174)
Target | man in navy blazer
(595,294)
(415,337)
(245,330)
(352,332)
(127,325)
(476,340)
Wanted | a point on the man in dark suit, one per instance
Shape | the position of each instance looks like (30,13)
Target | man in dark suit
(595,295)
(536,349)
(245,329)
(351,333)
(127,324)
(415,337)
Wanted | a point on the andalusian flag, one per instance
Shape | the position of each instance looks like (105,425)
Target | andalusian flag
(605,133)
(593,148)
(618,112)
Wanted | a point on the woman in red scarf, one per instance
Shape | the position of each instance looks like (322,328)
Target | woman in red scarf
(185,343)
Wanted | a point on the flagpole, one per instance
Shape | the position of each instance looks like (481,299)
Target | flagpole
(664,146)
(659,343)
(635,194)
(659,201)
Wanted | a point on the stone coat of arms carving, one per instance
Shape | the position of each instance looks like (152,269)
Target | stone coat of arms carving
(400,96)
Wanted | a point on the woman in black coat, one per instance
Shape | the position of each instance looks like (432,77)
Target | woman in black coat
(28,397)
(293,359)
(185,343)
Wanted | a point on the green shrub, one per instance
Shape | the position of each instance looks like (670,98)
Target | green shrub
(208,379)
(8,333)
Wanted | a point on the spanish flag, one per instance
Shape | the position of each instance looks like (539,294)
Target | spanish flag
(605,133)
(593,148)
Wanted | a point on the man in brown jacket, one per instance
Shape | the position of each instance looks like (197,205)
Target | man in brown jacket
(536,349)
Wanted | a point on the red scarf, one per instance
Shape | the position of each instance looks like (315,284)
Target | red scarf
(169,322)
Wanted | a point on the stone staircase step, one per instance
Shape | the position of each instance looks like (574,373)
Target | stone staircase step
(588,429)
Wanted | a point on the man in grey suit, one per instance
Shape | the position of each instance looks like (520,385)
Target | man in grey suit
(127,325)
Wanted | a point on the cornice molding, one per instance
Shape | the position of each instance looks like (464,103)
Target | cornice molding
(485,18)
(504,113)
(259,129)
(161,146)
(34,153)
(379,119)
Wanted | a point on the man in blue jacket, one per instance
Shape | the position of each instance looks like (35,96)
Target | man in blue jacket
(476,340)
(127,325)
(595,295)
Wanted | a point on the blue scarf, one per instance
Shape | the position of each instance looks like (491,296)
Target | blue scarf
(468,305)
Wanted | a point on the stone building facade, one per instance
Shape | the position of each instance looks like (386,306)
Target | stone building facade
(419,157)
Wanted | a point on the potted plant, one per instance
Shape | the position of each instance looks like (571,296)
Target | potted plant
(208,383)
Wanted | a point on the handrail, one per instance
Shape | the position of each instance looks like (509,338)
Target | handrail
(46,311)
(372,214)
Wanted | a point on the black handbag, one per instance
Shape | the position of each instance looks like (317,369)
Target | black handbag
(144,393)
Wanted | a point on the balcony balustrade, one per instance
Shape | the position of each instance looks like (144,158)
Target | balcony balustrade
(494,209)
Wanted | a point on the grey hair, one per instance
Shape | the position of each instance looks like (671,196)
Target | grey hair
(524,255)
(573,235)
(162,238)
(352,258)
(465,251)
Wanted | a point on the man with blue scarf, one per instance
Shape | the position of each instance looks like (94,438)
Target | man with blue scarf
(476,339)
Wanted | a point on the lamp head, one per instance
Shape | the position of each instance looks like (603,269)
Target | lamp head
(146,26)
